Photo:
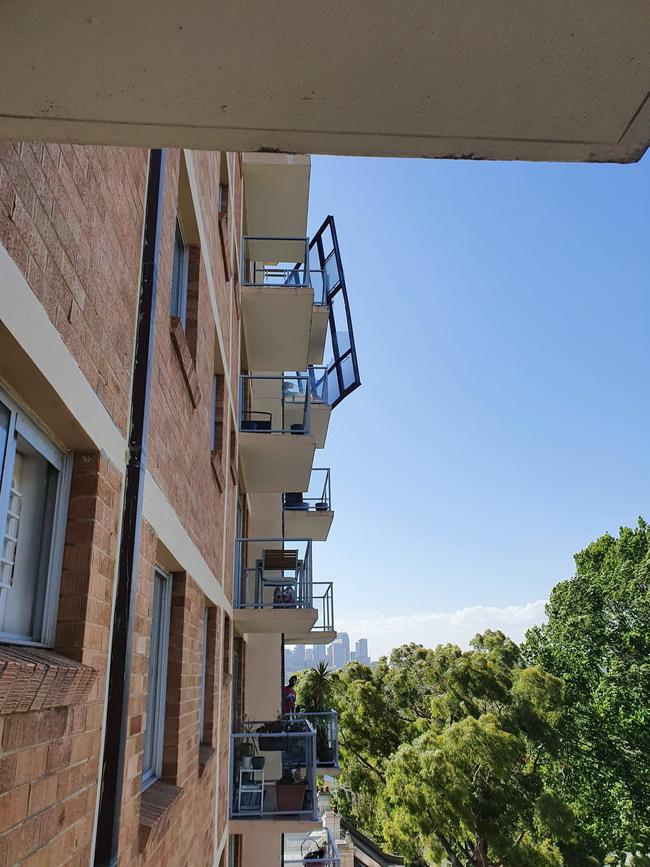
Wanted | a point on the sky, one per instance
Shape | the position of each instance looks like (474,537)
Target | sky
(502,321)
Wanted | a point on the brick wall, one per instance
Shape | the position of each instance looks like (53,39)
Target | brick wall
(173,823)
(180,432)
(71,219)
(49,758)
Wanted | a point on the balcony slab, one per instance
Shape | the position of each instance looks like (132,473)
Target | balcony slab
(308,524)
(275,462)
(275,620)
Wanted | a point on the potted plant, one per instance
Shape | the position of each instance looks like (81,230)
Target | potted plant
(290,792)
(315,693)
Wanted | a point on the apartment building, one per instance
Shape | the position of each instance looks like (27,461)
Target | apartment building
(164,320)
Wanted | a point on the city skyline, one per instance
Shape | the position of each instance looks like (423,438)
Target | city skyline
(337,654)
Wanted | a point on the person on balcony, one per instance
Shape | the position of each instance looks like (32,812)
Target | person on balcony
(290,695)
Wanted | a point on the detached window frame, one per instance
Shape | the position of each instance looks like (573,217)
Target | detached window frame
(180,276)
(154,734)
(30,495)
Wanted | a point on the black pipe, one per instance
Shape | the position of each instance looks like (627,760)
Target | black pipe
(117,708)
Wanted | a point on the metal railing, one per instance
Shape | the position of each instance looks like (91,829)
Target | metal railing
(323,602)
(317,849)
(316,374)
(273,573)
(275,404)
(317,497)
(273,770)
(326,726)
(269,261)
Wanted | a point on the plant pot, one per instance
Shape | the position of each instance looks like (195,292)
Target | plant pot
(321,507)
(247,762)
(290,796)
(258,763)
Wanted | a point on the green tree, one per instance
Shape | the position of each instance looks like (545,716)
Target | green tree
(442,755)
(597,639)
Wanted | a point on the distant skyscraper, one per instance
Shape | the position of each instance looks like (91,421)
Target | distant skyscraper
(299,657)
(340,650)
(319,653)
(361,651)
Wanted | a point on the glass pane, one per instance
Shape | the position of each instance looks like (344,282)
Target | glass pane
(179,277)
(149,763)
(28,539)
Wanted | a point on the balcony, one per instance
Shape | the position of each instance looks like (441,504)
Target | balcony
(321,630)
(283,302)
(318,849)
(309,513)
(326,725)
(313,382)
(273,771)
(274,591)
(276,444)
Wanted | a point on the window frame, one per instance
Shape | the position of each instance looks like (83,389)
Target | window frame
(21,425)
(180,276)
(155,728)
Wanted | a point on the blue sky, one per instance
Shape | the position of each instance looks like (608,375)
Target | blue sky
(502,320)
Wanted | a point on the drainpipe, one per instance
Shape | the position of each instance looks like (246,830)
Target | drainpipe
(119,678)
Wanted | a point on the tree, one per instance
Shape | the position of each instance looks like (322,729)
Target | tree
(597,639)
(443,749)
(314,690)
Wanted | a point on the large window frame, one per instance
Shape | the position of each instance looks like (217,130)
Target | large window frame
(154,734)
(45,599)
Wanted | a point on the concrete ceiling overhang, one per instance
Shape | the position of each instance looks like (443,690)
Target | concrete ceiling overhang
(495,79)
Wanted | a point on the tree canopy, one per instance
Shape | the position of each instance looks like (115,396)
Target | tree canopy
(597,639)
(522,757)
(442,754)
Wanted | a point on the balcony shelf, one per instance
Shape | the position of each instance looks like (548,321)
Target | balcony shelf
(284,303)
(284,788)
(275,591)
(317,849)
(276,444)
(309,513)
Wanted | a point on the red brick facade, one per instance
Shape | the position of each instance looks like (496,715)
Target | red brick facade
(71,218)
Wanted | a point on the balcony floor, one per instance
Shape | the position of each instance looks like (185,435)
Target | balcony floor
(275,620)
(308,524)
(276,462)
(310,636)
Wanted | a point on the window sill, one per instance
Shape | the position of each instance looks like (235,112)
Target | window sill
(218,470)
(155,809)
(185,358)
(35,679)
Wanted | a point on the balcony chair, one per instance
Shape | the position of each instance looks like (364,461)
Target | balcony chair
(285,588)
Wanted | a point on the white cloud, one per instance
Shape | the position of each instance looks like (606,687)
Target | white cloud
(384,633)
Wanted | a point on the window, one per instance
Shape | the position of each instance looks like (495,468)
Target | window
(216,416)
(204,736)
(226,645)
(34,487)
(157,679)
(180,272)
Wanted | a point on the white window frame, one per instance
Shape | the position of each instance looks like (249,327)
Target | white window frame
(157,690)
(204,665)
(20,424)
(180,277)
